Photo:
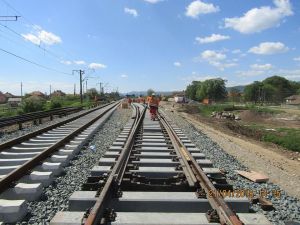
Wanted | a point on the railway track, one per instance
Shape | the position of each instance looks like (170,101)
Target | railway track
(31,162)
(153,174)
(37,117)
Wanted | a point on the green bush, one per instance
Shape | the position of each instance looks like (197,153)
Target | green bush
(33,104)
(56,102)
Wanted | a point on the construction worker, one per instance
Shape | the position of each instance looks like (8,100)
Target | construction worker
(153,103)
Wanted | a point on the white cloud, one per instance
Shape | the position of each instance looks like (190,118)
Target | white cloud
(97,66)
(132,12)
(212,38)
(249,73)
(124,76)
(269,48)
(79,62)
(198,7)
(42,36)
(177,64)
(153,1)
(32,38)
(266,66)
(66,62)
(49,38)
(216,59)
(296,58)
(211,55)
(289,74)
(259,19)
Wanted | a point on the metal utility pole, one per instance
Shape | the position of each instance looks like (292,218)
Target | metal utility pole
(81,72)
(21,89)
(74,89)
(50,91)
(9,18)
(86,86)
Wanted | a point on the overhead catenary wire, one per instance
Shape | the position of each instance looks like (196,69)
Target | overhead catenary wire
(34,63)
(34,25)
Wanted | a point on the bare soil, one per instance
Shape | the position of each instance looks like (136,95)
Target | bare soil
(258,156)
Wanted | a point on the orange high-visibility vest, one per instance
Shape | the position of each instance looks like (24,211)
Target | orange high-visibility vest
(153,101)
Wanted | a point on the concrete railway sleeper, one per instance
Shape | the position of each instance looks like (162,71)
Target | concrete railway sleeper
(28,166)
(153,174)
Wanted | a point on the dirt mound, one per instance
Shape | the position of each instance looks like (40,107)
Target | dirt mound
(252,116)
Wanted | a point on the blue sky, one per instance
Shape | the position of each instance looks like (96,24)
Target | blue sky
(141,44)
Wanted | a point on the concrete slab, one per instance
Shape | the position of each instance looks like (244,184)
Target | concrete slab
(157,155)
(155,149)
(23,191)
(140,218)
(204,162)
(107,161)
(156,172)
(171,202)
(45,178)
(7,169)
(13,162)
(211,170)
(155,144)
(12,211)
(253,219)
(67,218)
(17,155)
(156,162)
(99,170)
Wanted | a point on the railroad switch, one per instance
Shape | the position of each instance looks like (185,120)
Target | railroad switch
(200,193)
(110,215)
(212,216)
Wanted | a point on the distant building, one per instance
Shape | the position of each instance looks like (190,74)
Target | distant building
(58,93)
(3,98)
(9,95)
(179,97)
(37,94)
(14,102)
(293,100)
(207,101)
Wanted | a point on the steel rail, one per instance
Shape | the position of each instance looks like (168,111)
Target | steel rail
(225,213)
(25,137)
(116,174)
(19,172)
(192,180)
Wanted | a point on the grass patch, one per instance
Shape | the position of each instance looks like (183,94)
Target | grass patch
(286,137)
(206,110)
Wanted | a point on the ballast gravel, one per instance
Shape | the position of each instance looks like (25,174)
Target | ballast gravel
(286,208)
(56,196)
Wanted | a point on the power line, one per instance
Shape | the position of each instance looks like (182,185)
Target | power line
(34,63)
(38,46)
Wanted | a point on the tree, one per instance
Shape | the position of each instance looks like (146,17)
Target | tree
(281,88)
(92,93)
(251,92)
(234,94)
(213,89)
(150,92)
(192,89)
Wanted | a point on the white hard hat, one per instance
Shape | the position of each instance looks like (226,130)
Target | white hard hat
(153,94)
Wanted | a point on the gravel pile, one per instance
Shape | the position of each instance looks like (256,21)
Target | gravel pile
(56,196)
(6,136)
(287,208)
